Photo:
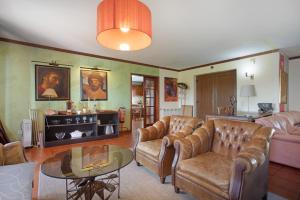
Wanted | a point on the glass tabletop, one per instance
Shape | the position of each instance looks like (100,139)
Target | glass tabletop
(84,162)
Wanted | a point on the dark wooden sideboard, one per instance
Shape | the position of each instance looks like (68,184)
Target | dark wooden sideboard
(93,126)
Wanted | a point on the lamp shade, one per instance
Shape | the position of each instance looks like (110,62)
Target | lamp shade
(124,25)
(248,91)
(50,93)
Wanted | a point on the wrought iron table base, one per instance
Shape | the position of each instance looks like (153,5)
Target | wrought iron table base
(103,186)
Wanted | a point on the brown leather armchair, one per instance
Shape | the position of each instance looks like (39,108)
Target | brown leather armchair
(12,153)
(223,160)
(154,147)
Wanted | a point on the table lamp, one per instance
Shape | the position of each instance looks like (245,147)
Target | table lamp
(50,93)
(248,91)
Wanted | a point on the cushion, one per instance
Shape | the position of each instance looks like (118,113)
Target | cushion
(16,181)
(152,147)
(210,170)
(292,116)
(279,124)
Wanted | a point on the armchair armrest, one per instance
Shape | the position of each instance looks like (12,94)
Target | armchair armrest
(168,140)
(152,132)
(13,153)
(183,150)
(251,162)
(192,145)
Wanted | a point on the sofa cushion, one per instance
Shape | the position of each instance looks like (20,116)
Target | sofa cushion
(210,170)
(279,124)
(16,181)
(292,116)
(152,148)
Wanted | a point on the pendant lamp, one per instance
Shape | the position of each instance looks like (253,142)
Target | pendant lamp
(124,25)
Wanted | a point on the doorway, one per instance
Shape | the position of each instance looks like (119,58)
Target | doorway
(144,101)
(214,90)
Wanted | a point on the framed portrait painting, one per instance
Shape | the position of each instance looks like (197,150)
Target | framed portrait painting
(93,84)
(52,83)
(171,89)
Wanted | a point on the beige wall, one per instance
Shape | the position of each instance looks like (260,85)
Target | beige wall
(266,80)
(294,84)
(2,83)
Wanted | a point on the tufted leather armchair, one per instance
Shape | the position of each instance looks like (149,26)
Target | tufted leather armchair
(223,160)
(154,147)
(12,153)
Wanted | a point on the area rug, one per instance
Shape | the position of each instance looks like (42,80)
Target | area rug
(137,183)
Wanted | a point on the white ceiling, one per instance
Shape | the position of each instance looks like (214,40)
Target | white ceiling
(185,33)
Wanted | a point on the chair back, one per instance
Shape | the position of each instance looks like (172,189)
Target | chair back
(178,123)
(230,137)
(3,137)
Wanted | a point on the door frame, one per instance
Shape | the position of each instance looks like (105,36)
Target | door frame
(157,96)
(195,88)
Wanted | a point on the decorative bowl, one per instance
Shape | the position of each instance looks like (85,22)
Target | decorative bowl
(60,135)
(68,120)
(88,133)
(76,134)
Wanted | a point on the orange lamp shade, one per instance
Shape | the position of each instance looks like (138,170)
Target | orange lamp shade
(124,25)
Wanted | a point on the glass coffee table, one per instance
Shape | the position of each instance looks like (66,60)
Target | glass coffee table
(89,171)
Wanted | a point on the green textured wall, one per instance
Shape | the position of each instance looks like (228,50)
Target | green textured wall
(2,81)
(17,81)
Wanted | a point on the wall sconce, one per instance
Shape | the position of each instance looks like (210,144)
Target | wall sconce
(251,76)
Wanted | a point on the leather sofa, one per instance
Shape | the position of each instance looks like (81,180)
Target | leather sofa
(154,147)
(223,160)
(285,145)
(16,175)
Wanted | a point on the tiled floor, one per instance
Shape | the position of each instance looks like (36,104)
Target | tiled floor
(283,180)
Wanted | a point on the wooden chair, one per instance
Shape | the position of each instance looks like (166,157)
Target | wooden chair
(3,137)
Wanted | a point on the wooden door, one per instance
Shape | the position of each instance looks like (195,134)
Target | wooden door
(150,100)
(204,95)
(213,90)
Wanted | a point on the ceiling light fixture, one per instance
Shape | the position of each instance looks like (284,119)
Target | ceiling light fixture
(124,25)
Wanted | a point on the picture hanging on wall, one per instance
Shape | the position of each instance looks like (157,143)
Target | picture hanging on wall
(93,84)
(283,86)
(171,89)
(52,83)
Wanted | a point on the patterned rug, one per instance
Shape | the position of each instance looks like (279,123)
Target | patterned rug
(137,183)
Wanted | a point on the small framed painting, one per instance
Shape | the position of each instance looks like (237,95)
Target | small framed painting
(171,89)
(283,87)
(93,84)
(52,83)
